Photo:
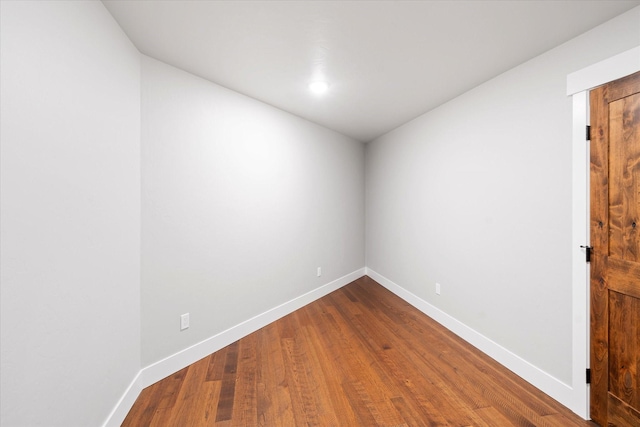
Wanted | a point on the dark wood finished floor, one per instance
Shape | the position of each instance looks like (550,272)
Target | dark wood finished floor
(358,357)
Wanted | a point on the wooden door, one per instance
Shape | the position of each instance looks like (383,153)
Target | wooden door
(615,263)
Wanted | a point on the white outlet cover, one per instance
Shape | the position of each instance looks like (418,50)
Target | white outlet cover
(438,288)
(184,321)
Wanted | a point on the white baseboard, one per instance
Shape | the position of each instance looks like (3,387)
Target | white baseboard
(119,413)
(550,385)
(169,365)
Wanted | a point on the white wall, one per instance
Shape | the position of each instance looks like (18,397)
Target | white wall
(241,203)
(70,213)
(476,195)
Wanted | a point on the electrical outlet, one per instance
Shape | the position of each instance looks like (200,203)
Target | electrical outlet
(184,321)
(319,271)
(437,288)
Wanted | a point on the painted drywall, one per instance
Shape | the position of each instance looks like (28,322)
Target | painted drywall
(241,204)
(70,213)
(476,195)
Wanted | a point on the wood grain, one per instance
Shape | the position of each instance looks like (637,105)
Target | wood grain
(615,237)
(624,178)
(599,177)
(624,335)
(623,277)
(357,357)
(621,414)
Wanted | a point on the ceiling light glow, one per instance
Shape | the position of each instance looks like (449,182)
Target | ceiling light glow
(319,87)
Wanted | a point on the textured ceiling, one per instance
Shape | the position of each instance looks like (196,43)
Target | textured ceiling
(386,61)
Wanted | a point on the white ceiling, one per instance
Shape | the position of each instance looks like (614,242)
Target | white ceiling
(386,62)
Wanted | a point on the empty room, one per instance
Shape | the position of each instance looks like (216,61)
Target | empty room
(329,213)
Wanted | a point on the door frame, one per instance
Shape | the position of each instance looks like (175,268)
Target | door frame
(578,85)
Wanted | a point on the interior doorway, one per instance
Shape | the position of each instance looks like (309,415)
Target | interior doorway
(578,85)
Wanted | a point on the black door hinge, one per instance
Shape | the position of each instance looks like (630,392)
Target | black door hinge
(588,376)
(587,250)
(588,133)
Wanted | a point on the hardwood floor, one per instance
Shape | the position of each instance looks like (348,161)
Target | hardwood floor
(360,356)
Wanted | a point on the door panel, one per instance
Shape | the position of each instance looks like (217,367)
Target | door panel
(615,237)
(624,335)
(624,171)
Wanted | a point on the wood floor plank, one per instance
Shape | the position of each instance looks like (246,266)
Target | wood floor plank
(492,417)
(211,407)
(245,406)
(359,356)
(273,399)
(224,410)
(340,411)
(186,411)
(215,370)
(302,397)
(365,378)
(396,362)
(319,380)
